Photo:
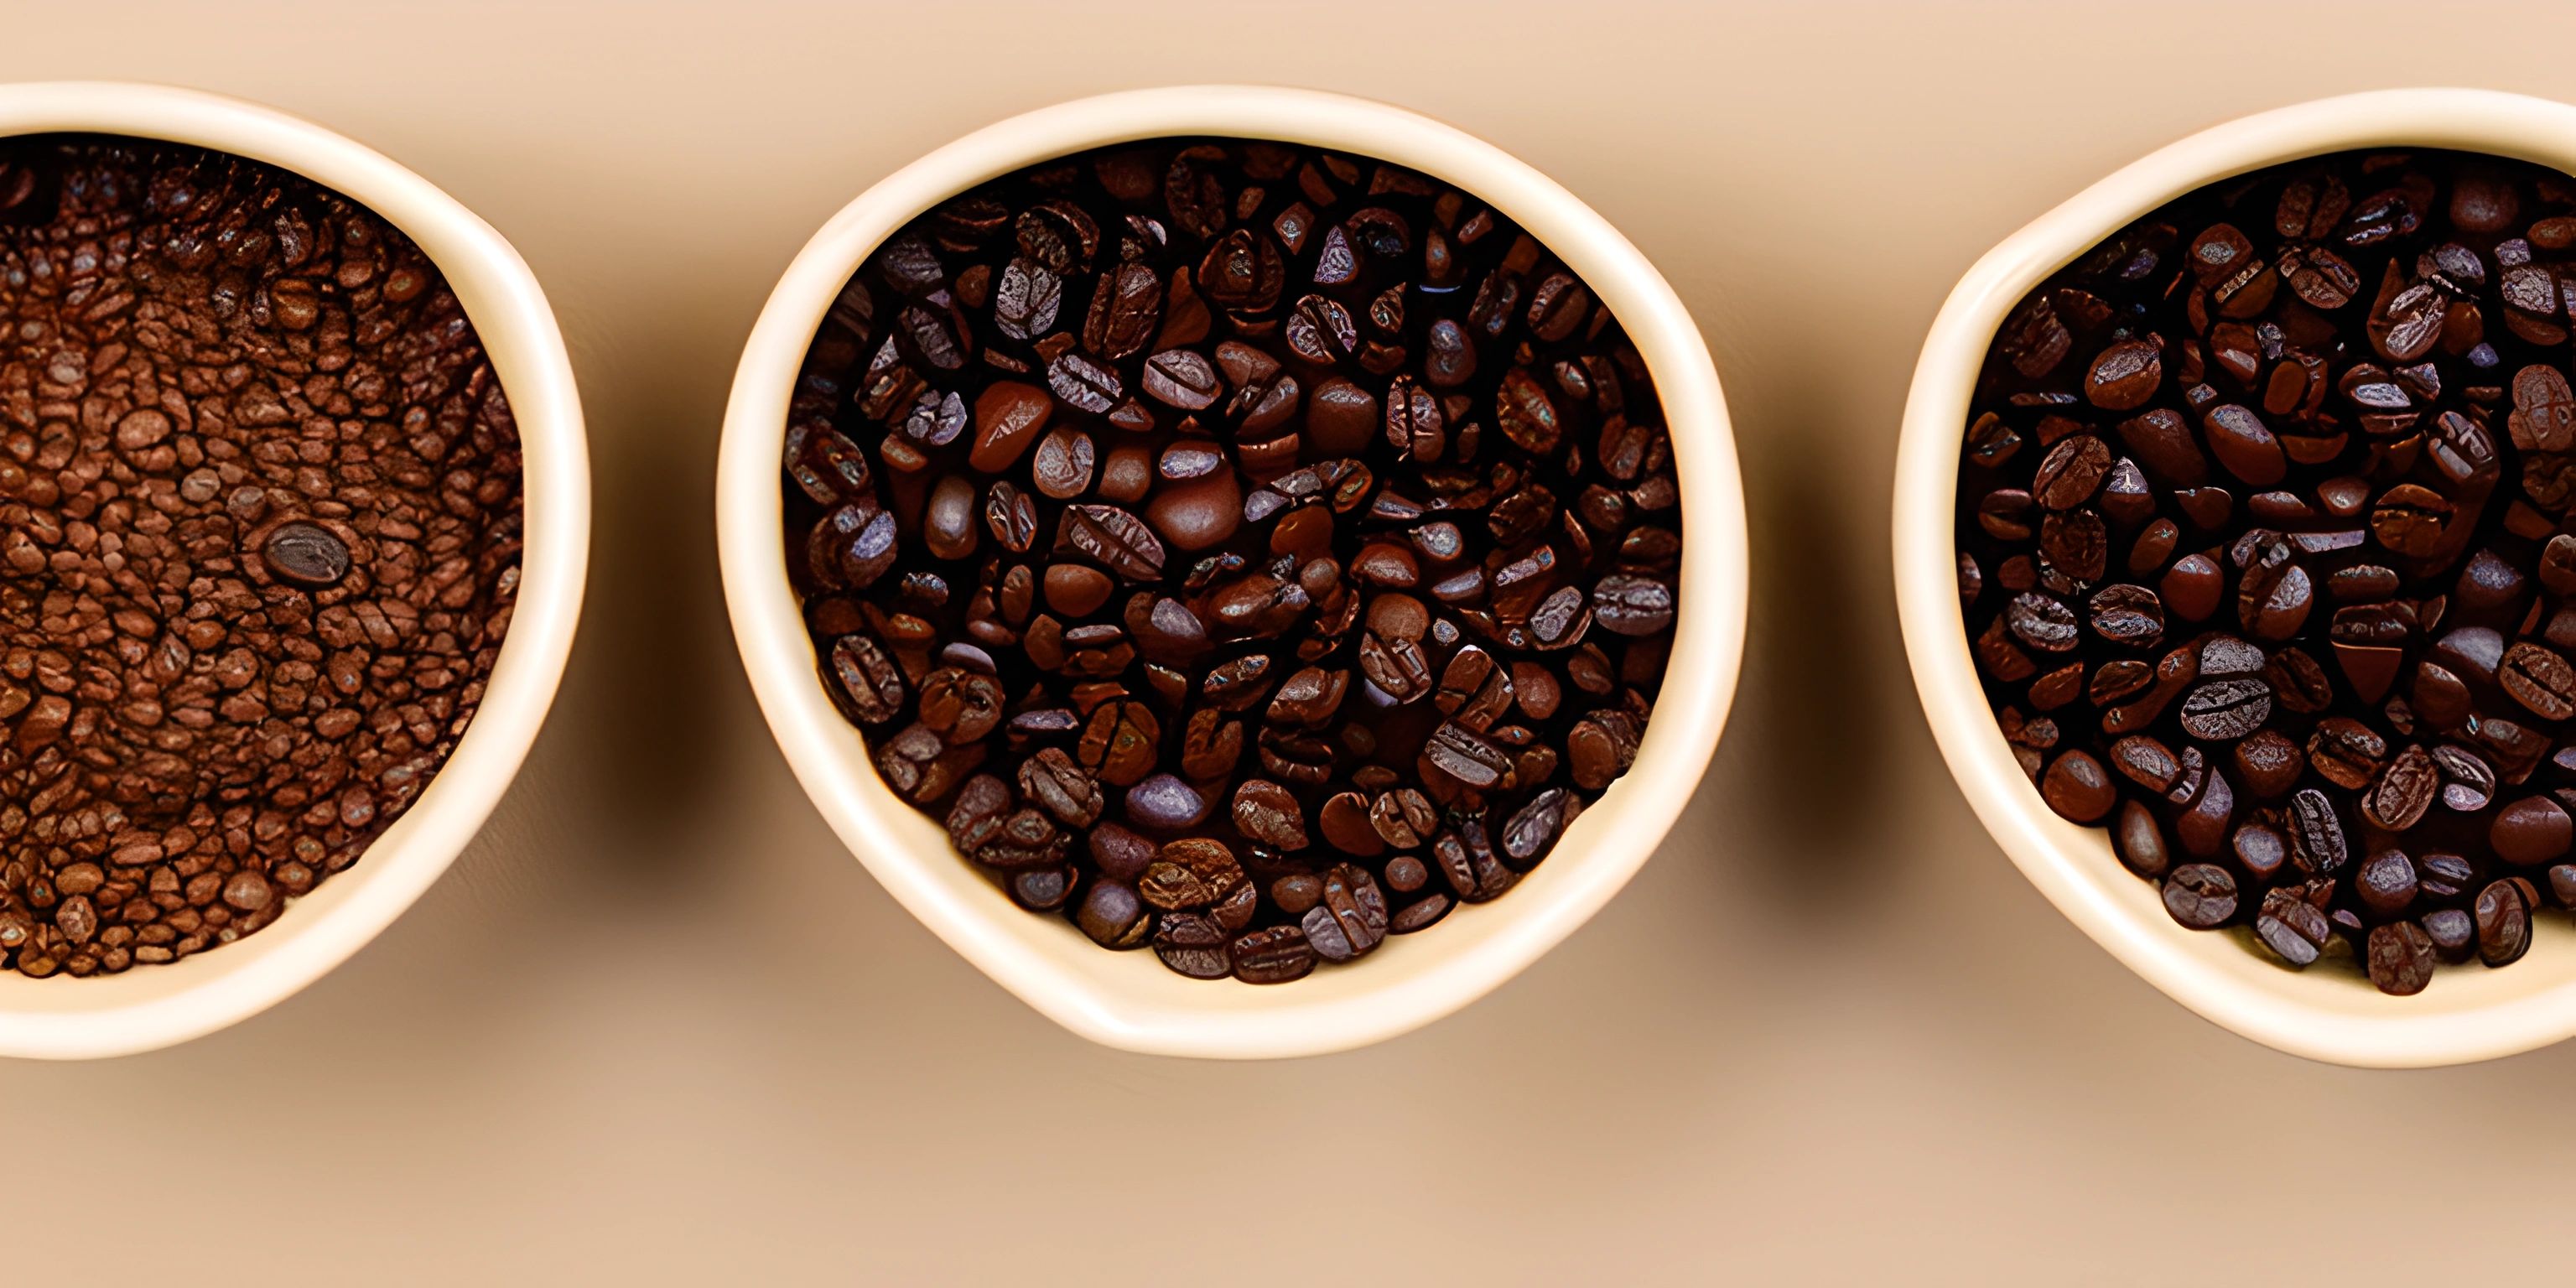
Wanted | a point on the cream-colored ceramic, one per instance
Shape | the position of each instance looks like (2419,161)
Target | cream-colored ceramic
(2327,1013)
(1128,999)
(151,1006)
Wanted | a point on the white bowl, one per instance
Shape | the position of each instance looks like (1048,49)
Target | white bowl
(1128,999)
(2325,1013)
(152,1006)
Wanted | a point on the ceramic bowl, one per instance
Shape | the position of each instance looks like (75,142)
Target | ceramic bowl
(2327,1013)
(1129,1000)
(151,1006)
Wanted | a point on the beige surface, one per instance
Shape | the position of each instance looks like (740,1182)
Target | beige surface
(657,1027)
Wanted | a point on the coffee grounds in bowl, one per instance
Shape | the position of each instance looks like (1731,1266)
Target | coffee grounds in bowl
(1242,549)
(259,538)
(2265,549)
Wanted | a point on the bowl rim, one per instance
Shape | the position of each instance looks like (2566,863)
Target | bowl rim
(1126,1000)
(145,1008)
(2329,1018)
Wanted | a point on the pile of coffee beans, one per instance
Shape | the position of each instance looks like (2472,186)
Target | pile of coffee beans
(1246,550)
(259,536)
(2265,546)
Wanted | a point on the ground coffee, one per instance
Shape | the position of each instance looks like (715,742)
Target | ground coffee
(259,538)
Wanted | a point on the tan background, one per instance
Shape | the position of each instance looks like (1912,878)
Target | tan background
(656,1026)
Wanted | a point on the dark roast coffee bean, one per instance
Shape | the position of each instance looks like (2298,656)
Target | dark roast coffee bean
(2316,833)
(2503,913)
(2386,883)
(2454,934)
(2292,928)
(2400,958)
(1274,956)
(2531,831)
(2443,876)
(308,556)
(1194,945)
(2225,710)
(1175,517)
(2200,895)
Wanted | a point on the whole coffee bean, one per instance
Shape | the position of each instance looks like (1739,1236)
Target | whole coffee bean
(1008,416)
(2454,934)
(1194,945)
(2317,834)
(1419,914)
(2400,958)
(2072,472)
(2531,831)
(2139,842)
(2404,792)
(2292,928)
(2200,895)
(1114,916)
(2386,883)
(306,555)
(2444,876)
(2503,915)
(2124,376)
(2268,764)
(2225,710)
(2346,753)
(2540,680)
(1277,955)
(2193,586)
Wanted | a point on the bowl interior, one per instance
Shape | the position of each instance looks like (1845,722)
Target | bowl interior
(2328,1012)
(155,1005)
(1129,999)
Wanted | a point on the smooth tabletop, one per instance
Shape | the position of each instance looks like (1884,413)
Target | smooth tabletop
(656,1026)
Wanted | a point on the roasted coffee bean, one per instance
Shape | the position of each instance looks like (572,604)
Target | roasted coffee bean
(2404,792)
(2139,842)
(2443,876)
(2386,883)
(2294,929)
(2077,788)
(2129,615)
(2400,958)
(1114,916)
(2225,710)
(2453,932)
(1226,504)
(1194,945)
(2268,764)
(1352,917)
(2200,895)
(2531,831)
(2540,680)
(2503,913)
(2316,833)
(2124,376)
(2346,753)
(2041,623)
(306,555)
(2072,472)
(1277,955)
